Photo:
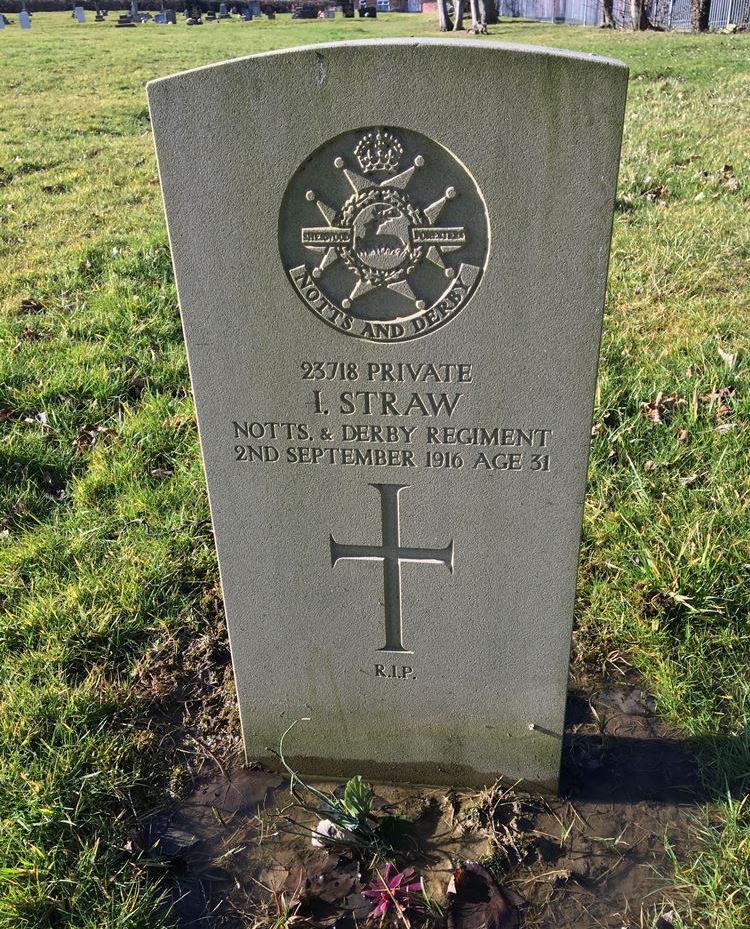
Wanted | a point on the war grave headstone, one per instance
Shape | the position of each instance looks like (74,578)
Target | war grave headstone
(80,15)
(2,21)
(395,394)
(24,18)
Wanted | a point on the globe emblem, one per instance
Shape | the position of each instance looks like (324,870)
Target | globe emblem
(383,263)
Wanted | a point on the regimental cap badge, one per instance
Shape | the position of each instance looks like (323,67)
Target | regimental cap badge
(378,151)
(398,248)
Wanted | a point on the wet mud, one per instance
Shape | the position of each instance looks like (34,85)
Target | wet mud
(596,856)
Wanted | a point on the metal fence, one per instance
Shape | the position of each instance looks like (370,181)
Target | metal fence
(662,14)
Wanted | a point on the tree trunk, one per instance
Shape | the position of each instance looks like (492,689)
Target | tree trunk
(608,14)
(478,25)
(638,18)
(458,14)
(699,10)
(443,18)
(489,12)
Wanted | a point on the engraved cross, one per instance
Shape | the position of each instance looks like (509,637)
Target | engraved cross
(393,555)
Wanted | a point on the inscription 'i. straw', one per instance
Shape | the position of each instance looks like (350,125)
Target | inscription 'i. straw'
(393,555)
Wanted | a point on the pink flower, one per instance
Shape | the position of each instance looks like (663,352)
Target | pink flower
(393,891)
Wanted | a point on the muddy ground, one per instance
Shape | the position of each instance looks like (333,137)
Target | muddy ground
(596,856)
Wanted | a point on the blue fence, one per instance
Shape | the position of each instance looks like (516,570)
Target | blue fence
(663,14)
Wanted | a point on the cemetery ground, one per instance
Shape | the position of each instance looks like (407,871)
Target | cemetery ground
(116,687)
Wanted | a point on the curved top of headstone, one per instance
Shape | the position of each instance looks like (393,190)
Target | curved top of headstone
(383,45)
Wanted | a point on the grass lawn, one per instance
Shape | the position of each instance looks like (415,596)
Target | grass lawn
(106,553)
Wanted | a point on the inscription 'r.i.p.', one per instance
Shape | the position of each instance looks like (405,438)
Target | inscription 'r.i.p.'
(393,555)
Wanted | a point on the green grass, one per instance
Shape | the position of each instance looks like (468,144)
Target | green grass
(106,553)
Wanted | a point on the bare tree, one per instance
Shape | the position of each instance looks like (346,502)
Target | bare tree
(443,15)
(489,11)
(699,12)
(458,15)
(478,21)
(638,15)
(608,14)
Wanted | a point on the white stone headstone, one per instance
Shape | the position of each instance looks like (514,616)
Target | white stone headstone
(25,19)
(80,14)
(394,391)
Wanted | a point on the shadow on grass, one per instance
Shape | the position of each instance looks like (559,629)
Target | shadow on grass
(618,750)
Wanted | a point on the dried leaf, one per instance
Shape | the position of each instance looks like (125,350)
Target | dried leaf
(728,358)
(29,305)
(656,194)
(721,398)
(90,435)
(661,405)
(667,920)
(329,890)
(31,335)
(477,901)
(729,179)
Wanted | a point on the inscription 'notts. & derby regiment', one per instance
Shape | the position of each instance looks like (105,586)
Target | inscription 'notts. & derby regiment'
(393,338)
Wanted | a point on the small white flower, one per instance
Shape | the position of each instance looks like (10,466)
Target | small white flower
(328,829)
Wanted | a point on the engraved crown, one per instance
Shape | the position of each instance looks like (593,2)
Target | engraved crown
(378,151)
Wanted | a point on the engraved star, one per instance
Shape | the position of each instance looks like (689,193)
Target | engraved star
(328,239)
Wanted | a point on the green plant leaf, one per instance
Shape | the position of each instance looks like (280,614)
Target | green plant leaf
(358,797)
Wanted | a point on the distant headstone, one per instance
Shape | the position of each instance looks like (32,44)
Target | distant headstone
(24,18)
(170,17)
(223,11)
(2,21)
(395,394)
(80,14)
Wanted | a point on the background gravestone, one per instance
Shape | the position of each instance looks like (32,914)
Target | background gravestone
(25,19)
(394,393)
(80,14)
